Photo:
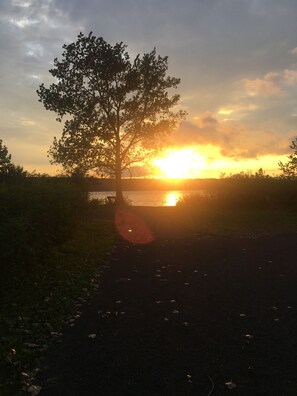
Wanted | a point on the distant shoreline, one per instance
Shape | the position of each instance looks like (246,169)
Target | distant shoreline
(151,184)
(185,184)
(92,184)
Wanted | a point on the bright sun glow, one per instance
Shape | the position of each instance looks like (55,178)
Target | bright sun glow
(180,164)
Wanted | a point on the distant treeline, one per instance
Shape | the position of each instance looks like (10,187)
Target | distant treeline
(104,184)
(237,185)
(212,185)
(150,184)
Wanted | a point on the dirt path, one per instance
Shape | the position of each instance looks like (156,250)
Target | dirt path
(185,315)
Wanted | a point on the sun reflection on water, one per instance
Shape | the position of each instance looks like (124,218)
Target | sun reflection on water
(172,197)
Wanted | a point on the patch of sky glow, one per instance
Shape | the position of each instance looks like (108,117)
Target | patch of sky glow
(23,23)
(228,166)
(35,77)
(237,110)
(34,49)
(46,13)
(225,111)
(21,3)
(27,122)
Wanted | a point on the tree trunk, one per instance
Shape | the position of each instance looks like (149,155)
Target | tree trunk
(119,190)
(118,178)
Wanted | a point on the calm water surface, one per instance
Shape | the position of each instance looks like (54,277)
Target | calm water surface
(147,198)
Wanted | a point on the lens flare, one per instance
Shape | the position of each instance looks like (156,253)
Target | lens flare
(133,228)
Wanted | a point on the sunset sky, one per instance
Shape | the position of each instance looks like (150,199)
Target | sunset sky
(237,60)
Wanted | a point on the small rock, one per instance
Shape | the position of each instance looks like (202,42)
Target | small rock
(230,385)
(34,390)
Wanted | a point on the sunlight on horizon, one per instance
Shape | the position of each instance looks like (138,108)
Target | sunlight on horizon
(207,162)
(184,163)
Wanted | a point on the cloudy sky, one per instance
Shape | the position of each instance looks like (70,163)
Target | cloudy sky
(237,60)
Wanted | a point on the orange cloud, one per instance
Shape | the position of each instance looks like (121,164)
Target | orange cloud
(236,110)
(233,139)
(273,83)
(206,120)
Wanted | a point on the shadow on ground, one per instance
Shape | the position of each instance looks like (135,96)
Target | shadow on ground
(185,315)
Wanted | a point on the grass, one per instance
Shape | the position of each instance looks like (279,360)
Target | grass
(37,299)
(244,222)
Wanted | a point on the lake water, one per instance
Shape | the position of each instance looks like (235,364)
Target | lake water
(147,198)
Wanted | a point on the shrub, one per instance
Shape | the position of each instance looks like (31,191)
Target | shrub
(35,214)
(245,194)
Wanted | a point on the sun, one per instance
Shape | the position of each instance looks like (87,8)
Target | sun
(183,163)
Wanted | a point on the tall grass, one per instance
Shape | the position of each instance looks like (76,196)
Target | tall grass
(246,194)
(244,207)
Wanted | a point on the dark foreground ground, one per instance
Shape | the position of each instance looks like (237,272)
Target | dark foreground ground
(185,315)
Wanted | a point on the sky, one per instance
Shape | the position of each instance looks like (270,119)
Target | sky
(237,60)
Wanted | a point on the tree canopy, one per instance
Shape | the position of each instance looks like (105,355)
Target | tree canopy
(5,159)
(289,169)
(7,168)
(117,111)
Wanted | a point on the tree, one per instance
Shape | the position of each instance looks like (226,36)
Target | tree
(117,111)
(289,169)
(5,159)
(7,168)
